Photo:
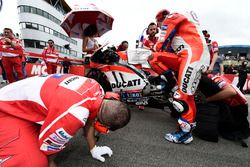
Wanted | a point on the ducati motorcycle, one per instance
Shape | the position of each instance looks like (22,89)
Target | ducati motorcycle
(130,75)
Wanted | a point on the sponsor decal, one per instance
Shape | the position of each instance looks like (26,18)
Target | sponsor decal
(123,83)
(194,16)
(74,83)
(179,48)
(221,83)
(63,134)
(57,138)
(57,75)
(130,83)
(176,95)
(38,69)
(197,80)
(164,27)
(52,143)
(70,80)
(46,147)
(186,79)
(183,125)
(51,148)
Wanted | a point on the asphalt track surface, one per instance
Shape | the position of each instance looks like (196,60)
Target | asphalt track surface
(141,144)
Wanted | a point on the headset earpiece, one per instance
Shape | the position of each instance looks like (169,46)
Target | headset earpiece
(157,30)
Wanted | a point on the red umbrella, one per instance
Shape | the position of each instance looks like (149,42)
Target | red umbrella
(79,18)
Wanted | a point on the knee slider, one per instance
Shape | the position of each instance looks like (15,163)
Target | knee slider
(180,106)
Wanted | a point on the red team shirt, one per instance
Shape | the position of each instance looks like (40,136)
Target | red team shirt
(238,99)
(61,104)
(213,48)
(52,53)
(150,42)
(3,45)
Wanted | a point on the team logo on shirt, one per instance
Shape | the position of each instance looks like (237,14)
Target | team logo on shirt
(164,27)
(75,83)
(53,143)
(57,75)
(63,134)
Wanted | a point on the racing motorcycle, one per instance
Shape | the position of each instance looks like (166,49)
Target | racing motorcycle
(130,75)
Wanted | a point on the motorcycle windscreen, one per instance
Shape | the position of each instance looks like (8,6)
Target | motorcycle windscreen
(139,56)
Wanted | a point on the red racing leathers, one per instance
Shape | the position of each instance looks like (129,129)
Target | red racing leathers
(39,115)
(181,47)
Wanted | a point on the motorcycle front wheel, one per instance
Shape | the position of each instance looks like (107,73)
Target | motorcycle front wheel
(100,78)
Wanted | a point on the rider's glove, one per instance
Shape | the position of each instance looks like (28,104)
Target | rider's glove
(98,151)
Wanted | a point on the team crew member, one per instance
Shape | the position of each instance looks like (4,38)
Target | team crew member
(237,125)
(40,119)
(151,40)
(230,94)
(181,47)
(50,57)
(11,61)
(123,46)
(213,50)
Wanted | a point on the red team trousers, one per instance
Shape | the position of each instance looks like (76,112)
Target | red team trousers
(19,143)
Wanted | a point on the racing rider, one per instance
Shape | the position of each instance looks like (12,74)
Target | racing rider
(181,47)
(37,117)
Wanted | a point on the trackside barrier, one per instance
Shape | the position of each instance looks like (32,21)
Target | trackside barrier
(35,55)
(39,69)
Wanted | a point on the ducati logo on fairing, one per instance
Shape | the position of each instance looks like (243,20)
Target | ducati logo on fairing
(130,83)
(123,83)
(186,79)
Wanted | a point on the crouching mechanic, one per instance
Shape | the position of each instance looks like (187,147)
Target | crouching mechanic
(182,48)
(236,125)
(39,115)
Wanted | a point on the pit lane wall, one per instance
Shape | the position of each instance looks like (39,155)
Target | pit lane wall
(33,69)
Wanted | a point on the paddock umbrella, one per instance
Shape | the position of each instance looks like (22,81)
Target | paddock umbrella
(81,17)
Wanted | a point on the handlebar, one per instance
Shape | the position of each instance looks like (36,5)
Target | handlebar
(105,57)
